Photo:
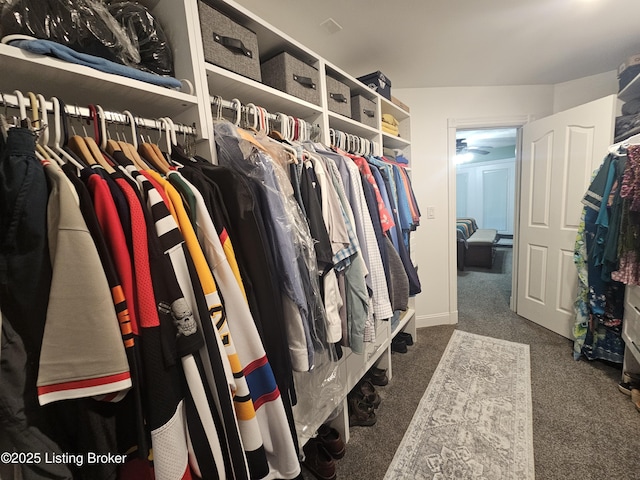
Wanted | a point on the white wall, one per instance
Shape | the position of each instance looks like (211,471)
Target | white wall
(432,174)
(491,205)
(583,90)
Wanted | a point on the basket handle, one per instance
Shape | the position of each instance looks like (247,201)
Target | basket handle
(233,44)
(304,81)
(338,97)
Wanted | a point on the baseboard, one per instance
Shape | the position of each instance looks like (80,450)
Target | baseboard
(448,318)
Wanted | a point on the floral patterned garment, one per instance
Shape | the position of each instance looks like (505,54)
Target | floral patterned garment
(629,248)
(600,303)
(581,304)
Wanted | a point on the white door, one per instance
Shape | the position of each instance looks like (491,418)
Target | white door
(559,155)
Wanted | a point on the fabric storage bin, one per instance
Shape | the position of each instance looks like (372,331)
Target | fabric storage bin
(364,111)
(228,44)
(378,82)
(286,73)
(338,97)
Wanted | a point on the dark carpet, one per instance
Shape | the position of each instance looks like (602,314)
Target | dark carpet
(583,427)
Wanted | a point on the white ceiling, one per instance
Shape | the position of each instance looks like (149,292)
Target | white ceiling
(432,43)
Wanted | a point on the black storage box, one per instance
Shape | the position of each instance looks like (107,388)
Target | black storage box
(338,97)
(364,111)
(378,82)
(228,44)
(286,73)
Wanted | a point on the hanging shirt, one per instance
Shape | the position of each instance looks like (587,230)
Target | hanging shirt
(286,252)
(364,227)
(244,220)
(71,366)
(357,307)
(201,365)
(271,418)
(386,219)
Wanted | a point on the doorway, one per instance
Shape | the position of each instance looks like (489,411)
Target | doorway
(486,190)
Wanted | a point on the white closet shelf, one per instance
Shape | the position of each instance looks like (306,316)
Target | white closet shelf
(631,91)
(307,430)
(390,141)
(80,85)
(393,109)
(407,316)
(346,124)
(355,85)
(270,40)
(632,347)
(228,85)
(359,364)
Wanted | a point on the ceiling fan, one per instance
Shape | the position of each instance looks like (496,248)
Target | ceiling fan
(462,147)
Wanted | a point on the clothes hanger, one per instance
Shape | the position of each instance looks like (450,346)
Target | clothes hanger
(284,124)
(93,146)
(57,146)
(251,108)
(156,145)
(237,108)
(216,104)
(24,120)
(4,119)
(167,131)
(150,154)
(106,143)
(244,134)
(78,144)
(44,137)
(36,125)
(131,149)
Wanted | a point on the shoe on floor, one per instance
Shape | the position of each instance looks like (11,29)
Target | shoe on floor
(626,387)
(398,345)
(369,391)
(331,439)
(371,399)
(318,460)
(408,339)
(628,377)
(361,414)
(377,376)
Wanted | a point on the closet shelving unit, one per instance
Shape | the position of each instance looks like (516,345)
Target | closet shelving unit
(631,324)
(631,91)
(79,85)
(227,84)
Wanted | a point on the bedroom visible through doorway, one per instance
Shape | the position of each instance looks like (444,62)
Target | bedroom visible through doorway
(486,193)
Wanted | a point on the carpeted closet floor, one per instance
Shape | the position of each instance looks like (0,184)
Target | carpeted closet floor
(583,427)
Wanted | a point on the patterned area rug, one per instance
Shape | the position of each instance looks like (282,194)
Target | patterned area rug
(475,419)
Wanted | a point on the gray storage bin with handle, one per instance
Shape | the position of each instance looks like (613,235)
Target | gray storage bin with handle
(364,111)
(286,73)
(338,97)
(228,44)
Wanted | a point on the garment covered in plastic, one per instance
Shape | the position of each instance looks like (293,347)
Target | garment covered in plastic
(313,359)
(83,25)
(146,34)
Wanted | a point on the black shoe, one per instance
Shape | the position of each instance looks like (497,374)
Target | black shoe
(360,413)
(370,395)
(626,387)
(377,376)
(319,461)
(398,345)
(408,339)
(332,441)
